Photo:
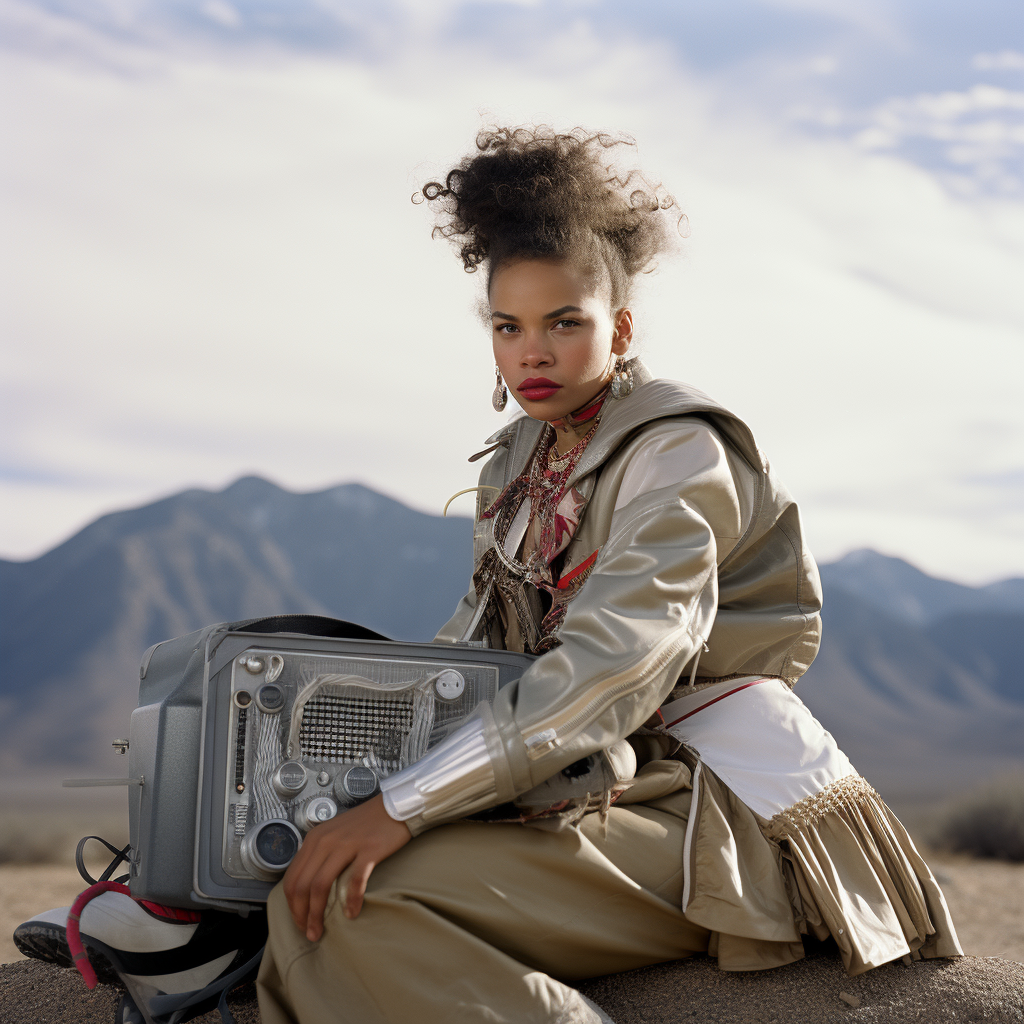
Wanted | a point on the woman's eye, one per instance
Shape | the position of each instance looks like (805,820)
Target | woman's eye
(505,328)
(563,324)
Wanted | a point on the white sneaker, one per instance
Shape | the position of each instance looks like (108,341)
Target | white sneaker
(155,952)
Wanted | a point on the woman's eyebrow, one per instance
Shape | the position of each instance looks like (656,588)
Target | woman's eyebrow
(547,316)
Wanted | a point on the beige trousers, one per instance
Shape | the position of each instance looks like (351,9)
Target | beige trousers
(475,922)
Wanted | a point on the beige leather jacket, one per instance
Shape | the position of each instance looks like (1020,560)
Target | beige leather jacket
(700,572)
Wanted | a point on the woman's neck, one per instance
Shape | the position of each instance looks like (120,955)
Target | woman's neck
(573,427)
(568,436)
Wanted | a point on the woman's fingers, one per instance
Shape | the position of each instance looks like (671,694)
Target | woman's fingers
(316,857)
(356,887)
(320,892)
(356,841)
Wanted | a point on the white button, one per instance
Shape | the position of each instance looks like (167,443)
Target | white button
(450,684)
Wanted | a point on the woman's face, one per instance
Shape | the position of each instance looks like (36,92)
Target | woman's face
(555,336)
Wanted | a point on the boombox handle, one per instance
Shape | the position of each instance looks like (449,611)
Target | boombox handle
(311,625)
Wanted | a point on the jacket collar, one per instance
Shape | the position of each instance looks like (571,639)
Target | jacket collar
(651,399)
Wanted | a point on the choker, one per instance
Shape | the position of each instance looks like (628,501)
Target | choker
(586,412)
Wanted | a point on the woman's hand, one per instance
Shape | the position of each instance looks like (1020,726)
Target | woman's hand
(358,839)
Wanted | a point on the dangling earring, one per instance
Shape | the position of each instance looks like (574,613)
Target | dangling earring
(499,399)
(622,379)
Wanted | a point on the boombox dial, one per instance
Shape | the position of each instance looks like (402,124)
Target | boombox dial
(269,848)
(357,783)
(450,685)
(270,698)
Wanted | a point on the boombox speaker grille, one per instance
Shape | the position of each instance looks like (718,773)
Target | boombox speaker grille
(345,729)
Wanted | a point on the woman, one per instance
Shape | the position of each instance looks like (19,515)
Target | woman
(630,532)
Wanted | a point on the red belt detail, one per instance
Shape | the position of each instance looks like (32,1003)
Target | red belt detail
(689,714)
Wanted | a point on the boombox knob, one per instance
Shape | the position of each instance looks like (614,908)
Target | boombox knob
(270,699)
(319,809)
(268,848)
(289,779)
(358,783)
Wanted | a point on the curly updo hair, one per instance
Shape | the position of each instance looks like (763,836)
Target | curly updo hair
(533,193)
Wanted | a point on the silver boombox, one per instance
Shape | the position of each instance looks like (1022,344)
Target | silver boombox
(249,734)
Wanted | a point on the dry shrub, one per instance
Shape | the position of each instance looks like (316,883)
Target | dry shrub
(986,823)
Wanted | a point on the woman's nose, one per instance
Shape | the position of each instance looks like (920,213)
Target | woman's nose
(535,352)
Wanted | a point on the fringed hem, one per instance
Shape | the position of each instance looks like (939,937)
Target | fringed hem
(857,876)
(806,813)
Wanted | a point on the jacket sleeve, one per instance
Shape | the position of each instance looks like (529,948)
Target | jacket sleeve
(642,615)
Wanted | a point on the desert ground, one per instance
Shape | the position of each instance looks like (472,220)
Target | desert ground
(986,898)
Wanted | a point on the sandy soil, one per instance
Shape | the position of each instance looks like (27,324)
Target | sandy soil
(986,899)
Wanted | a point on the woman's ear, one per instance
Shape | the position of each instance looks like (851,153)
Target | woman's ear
(623,331)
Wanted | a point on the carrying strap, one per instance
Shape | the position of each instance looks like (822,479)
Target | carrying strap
(119,855)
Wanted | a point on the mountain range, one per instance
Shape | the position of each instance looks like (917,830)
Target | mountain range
(919,678)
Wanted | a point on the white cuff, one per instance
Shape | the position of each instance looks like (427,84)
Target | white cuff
(454,775)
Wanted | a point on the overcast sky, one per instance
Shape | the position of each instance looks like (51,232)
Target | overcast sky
(213,267)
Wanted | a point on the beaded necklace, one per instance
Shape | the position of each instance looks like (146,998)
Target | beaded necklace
(557,463)
(555,512)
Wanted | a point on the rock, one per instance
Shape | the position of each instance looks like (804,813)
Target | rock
(809,992)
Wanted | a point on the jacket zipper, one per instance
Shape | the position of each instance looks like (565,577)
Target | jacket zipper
(545,741)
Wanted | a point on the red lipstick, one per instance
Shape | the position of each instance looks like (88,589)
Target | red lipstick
(536,389)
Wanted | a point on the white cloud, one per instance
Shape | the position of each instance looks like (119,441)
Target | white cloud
(217,270)
(873,18)
(1004,60)
(222,13)
(980,130)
